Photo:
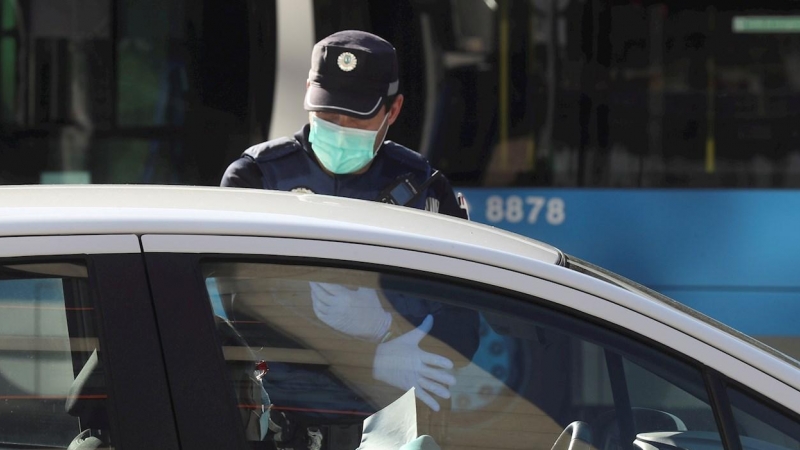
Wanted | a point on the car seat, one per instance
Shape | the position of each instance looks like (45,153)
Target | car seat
(87,396)
(87,401)
(644,420)
(252,400)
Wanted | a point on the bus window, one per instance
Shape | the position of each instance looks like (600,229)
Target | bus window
(498,93)
(132,91)
(590,94)
(8,56)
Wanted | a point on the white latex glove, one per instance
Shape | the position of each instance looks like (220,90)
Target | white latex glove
(355,312)
(401,363)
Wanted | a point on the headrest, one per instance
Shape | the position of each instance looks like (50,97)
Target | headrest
(87,395)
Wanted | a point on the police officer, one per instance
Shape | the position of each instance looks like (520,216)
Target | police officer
(352,97)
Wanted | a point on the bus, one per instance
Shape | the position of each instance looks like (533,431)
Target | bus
(656,138)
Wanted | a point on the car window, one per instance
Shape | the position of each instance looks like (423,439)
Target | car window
(332,346)
(761,426)
(52,390)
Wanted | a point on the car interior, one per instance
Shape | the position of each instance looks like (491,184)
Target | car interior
(51,375)
(540,378)
(563,382)
(86,400)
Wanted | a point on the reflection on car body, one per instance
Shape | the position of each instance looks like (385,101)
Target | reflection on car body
(203,318)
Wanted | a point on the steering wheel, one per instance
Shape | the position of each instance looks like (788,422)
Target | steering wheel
(576,436)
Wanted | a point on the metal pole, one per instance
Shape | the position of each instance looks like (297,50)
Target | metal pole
(503,83)
(711,96)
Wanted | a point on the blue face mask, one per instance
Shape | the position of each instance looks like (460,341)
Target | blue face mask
(340,149)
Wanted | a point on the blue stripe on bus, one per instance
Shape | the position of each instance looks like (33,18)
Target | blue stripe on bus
(722,252)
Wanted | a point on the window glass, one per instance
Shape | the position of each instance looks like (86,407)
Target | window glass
(606,94)
(8,18)
(140,161)
(331,16)
(330,347)
(52,389)
(152,73)
(759,425)
(121,90)
(8,56)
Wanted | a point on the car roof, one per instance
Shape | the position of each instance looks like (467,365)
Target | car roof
(144,209)
(147,209)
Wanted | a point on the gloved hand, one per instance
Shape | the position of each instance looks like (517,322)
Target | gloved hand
(355,312)
(401,363)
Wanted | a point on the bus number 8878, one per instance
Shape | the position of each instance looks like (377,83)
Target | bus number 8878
(514,209)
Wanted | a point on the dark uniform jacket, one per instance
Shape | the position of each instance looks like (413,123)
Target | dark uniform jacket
(288,164)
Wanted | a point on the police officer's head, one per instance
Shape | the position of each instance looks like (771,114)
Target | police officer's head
(352,97)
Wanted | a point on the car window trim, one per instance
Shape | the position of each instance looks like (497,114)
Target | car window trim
(186,321)
(139,396)
(706,351)
(622,400)
(40,246)
(721,406)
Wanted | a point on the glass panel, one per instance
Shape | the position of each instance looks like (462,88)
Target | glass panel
(51,381)
(151,65)
(8,67)
(8,60)
(759,424)
(331,16)
(7,15)
(122,70)
(139,161)
(595,94)
(313,352)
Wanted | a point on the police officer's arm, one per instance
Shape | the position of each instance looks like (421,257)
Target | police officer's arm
(448,201)
(243,173)
(457,327)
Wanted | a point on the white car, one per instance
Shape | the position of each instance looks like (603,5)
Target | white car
(164,317)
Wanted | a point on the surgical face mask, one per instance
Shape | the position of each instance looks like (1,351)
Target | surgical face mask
(340,149)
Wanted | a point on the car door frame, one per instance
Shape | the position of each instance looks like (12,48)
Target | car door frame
(138,404)
(173,264)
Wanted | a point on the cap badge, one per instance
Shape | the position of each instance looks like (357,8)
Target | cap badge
(347,61)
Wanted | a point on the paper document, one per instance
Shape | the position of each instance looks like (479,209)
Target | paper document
(392,427)
(395,427)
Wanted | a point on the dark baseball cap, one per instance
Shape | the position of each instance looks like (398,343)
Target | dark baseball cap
(352,72)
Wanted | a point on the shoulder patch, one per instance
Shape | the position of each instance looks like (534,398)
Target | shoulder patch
(273,149)
(405,156)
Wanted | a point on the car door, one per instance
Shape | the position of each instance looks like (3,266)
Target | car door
(80,357)
(497,358)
